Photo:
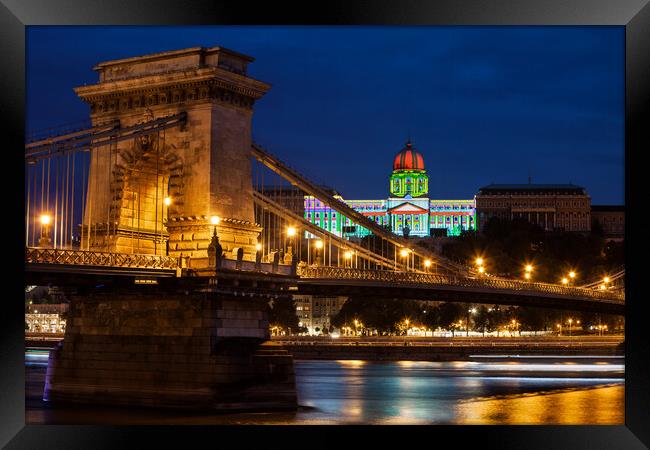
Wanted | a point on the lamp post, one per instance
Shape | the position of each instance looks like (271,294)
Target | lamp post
(404,253)
(572,276)
(570,322)
(348,258)
(319,247)
(528,272)
(44,240)
(215,246)
(166,202)
(291,233)
(427,264)
(479,264)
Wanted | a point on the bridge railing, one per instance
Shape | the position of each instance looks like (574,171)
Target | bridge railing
(410,278)
(93,258)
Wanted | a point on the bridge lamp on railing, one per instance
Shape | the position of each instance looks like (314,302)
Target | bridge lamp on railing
(572,276)
(45,220)
(565,281)
(427,264)
(318,245)
(348,257)
(404,253)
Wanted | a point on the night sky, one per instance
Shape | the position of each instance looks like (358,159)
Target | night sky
(482,104)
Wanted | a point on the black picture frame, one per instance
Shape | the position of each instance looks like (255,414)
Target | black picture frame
(634,15)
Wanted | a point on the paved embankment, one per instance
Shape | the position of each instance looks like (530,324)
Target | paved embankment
(448,349)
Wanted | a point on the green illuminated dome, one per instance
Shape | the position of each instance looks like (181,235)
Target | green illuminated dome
(409,179)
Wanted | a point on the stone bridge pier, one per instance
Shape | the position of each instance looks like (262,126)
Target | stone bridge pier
(189,347)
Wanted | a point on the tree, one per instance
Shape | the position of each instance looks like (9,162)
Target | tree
(482,319)
(450,314)
(283,314)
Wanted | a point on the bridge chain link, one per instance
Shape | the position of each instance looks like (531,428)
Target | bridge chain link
(406,278)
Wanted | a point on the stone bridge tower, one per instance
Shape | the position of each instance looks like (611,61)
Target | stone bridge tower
(202,167)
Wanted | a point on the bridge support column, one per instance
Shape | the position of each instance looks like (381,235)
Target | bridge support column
(201,351)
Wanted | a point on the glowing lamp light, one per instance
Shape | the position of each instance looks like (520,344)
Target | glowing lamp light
(572,274)
(318,244)
(606,280)
(167,201)
(529,268)
(527,276)
(481,269)
(291,231)
(214,220)
(258,246)
(348,254)
(45,219)
(479,261)
(427,263)
(565,280)
(404,253)
(602,286)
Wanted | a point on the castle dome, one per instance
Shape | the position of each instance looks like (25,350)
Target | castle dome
(408,159)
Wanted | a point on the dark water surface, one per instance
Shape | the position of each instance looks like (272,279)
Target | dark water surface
(550,390)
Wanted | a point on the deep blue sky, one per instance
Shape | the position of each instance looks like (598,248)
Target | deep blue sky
(483,104)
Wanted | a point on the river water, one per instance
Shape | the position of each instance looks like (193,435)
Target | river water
(501,390)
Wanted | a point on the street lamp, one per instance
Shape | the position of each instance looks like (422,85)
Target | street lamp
(427,264)
(167,201)
(572,276)
(565,281)
(291,231)
(479,263)
(528,271)
(319,246)
(404,253)
(214,220)
(45,220)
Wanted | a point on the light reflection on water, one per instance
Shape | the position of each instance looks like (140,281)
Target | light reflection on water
(461,392)
(548,391)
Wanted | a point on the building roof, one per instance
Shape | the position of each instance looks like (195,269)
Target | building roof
(408,159)
(531,187)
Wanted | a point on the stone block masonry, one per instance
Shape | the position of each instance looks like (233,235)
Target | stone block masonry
(199,351)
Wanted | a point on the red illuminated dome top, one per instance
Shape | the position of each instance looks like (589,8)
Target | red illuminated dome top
(408,159)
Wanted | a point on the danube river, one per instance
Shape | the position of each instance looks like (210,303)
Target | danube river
(485,390)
